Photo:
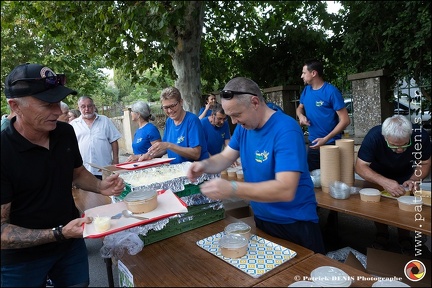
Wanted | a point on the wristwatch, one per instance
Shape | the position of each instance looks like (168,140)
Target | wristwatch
(58,233)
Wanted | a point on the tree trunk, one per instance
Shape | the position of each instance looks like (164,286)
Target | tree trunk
(186,59)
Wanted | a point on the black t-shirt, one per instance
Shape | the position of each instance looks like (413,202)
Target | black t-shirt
(396,166)
(37,182)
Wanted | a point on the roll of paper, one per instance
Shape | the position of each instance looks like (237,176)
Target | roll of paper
(346,151)
(329,165)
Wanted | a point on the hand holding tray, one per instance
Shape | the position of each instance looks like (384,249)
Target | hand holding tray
(168,204)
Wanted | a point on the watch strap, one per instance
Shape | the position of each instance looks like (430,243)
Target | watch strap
(58,234)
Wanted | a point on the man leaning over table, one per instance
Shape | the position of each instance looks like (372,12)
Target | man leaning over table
(395,155)
(277,180)
(41,229)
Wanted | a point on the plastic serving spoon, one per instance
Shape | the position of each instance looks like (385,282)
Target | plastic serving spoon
(129,214)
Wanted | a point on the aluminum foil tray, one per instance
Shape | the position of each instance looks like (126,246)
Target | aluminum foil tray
(163,177)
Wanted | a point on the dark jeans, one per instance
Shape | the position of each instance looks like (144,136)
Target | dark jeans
(69,268)
(306,234)
(313,158)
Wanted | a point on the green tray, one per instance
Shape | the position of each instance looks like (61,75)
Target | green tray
(189,189)
(197,216)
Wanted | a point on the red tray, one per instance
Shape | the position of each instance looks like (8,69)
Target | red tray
(143,164)
(168,205)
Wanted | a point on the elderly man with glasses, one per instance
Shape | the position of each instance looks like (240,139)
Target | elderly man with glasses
(397,156)
(273,156)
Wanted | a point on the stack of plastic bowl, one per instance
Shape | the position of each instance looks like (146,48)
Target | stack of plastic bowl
(340,190)
(316,177)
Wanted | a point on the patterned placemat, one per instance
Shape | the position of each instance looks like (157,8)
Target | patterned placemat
(262,255)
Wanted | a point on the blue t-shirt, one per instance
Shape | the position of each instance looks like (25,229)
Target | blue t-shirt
(188,134)
(396,166)
(143,137)
(320,108)
(215,136)
(209,112)
(277,147)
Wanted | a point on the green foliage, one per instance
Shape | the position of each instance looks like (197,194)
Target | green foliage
(389,35)
(24,40)
(267,41)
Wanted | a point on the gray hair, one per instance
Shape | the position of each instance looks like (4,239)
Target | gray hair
(170,93)
(85,97)
(64,106)
(398,127)
(143,109)
(217,108)
(245,85)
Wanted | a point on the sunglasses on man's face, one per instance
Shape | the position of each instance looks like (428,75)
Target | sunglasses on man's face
(229,94)
(50,81)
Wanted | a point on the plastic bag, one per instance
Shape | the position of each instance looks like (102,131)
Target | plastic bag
(115,244)
(342,254)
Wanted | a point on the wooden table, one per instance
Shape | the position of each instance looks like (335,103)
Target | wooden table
(386,211)
(179,261)
(303,269)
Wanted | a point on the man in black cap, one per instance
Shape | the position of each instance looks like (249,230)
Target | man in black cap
(41,229)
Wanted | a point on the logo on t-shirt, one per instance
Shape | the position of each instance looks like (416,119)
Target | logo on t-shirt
(180,139)
(261,156)
(319,103)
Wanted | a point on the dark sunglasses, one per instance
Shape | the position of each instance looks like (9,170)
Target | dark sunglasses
(228,94)
(50,81)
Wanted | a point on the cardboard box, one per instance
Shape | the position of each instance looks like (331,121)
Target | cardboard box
(237,209)
(390,265)
(354,262)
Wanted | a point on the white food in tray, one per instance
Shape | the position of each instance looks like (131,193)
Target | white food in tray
(156,174)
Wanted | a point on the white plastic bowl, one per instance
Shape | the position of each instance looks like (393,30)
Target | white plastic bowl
(409,203)
(370,195)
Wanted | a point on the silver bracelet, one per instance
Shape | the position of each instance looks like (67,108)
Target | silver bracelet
(234,188)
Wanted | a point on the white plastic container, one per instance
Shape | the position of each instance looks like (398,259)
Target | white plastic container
(233,246)
(409,203)
(239,228)
(370,195)
(141,201)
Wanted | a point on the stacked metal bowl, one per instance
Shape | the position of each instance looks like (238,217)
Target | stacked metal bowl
(340,190)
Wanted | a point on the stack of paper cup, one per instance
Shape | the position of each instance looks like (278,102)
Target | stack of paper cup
(346,150)
(330,166)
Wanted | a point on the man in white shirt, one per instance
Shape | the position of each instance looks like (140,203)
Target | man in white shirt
(97,137)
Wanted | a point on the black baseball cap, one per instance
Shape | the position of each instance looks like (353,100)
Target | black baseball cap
(37,81)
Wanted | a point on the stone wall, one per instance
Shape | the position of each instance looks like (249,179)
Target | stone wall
(287,97)
(370,91)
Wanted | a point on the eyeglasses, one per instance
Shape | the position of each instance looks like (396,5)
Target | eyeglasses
(169,106)
(394,147)
(228,94)
(50,81)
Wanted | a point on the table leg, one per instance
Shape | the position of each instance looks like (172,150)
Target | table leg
(108,263)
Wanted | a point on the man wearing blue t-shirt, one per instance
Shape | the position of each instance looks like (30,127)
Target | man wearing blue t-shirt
(322,109)
(216,130)
(273,156)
